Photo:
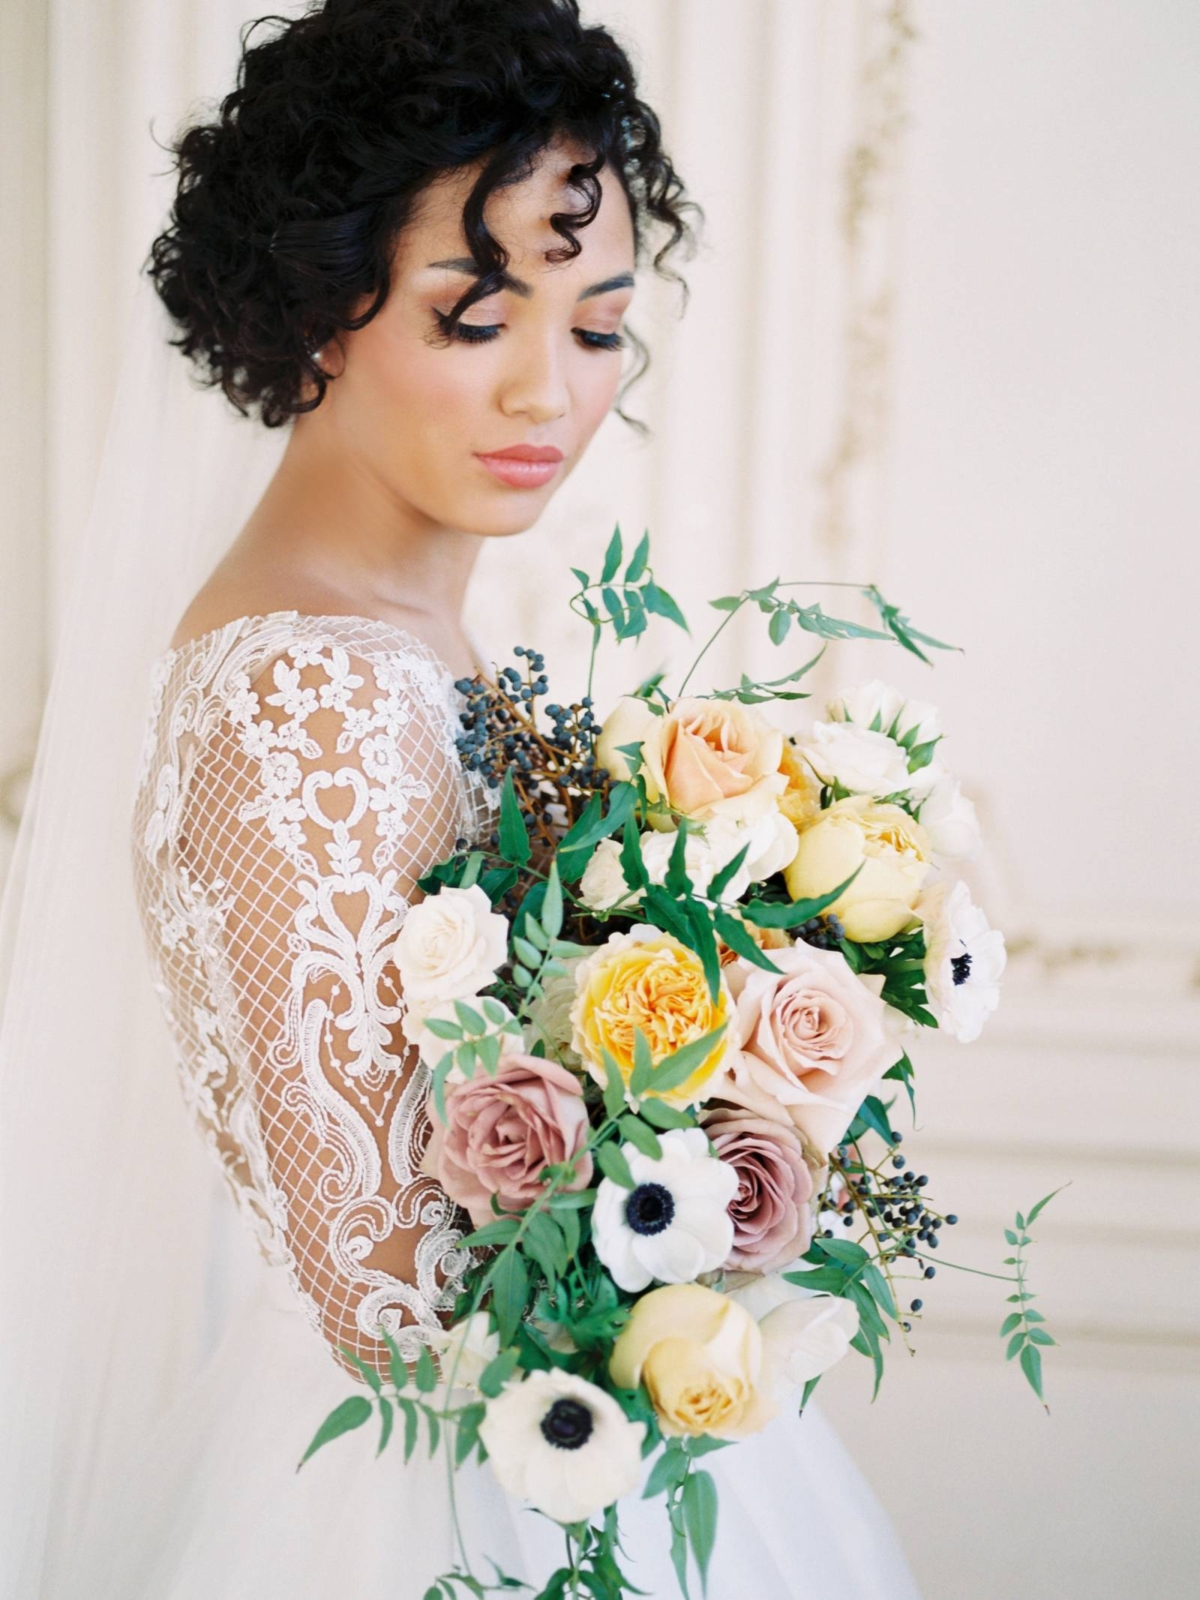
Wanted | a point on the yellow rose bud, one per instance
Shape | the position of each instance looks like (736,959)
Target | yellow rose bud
(701,1358)
(646,980)
(893,851)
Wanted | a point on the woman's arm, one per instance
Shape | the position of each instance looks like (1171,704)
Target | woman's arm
(326,791)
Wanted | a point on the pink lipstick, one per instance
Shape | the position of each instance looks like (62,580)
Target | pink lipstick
(523,466)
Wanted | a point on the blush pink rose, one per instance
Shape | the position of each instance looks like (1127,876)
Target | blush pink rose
(813,1037)
(502,1132)
(772,1210)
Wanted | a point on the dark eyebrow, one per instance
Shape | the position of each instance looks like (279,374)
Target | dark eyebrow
(623,280)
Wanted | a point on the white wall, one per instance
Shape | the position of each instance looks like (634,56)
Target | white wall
(942,336)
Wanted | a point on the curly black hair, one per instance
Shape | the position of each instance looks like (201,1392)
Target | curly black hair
(290,201)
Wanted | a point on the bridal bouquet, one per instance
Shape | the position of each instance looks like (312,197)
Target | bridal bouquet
(665,1012)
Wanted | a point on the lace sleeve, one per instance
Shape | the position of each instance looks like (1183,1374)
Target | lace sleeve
(325,791)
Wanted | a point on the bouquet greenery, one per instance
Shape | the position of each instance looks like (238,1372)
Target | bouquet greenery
(661,1010)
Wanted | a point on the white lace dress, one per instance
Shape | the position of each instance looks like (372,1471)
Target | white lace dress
(299,775)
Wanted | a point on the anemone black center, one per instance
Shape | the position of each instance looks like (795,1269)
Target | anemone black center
(567,1424)
(960,966)
(650,1208)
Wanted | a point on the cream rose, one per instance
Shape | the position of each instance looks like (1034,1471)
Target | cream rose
(701,1358)
(812,1036)
(704,758)
(450,946)
(859,759)
(892,850)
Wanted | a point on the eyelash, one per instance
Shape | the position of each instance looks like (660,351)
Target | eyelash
(481,333)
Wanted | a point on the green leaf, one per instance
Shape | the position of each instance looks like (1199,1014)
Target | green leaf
(663,1115)
(639,558)
(667,1472)
(443,1029)
(397,1367)
(387,1416)
(733,931)
(498,1232)
(727,602)
(842,1250)
(640,1136)
(612,556)
(1014,1344)
(677,881)
(725,877)
(781,621)
(426,1376)
(1038,1208)
(352,1413)
(498,1371)
(875,1116)
(1040,1336)
(615,609)
(678,1067)
(471,1020)
(411,1419)
(552,905)
(1009,1323)
(510,1291)
(513,839)
(614,1087)
(777,914)
(368,1371)
(611,1161)
(1031,1366)
(643,1064)
(633,865)
(525,951)
(661,604)
(700,1515)
(1010,1236)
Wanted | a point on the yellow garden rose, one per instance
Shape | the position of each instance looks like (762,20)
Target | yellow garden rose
(894,853)
(701,1358)
(646,980)
(704,758)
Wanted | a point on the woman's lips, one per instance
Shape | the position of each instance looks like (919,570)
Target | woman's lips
(521,467)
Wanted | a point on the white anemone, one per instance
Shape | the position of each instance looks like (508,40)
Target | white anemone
(964,957)
(559,1441)
(675,1223)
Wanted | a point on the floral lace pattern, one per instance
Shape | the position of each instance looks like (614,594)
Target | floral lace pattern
(298,776)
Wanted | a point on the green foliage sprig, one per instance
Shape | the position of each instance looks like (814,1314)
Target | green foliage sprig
(1025,1327)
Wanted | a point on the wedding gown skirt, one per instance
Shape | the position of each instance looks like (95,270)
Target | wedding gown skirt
(214,1509)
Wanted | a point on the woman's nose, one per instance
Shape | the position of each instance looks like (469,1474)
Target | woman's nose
(536,386)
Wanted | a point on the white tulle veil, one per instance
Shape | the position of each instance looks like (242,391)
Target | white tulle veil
(109,1234)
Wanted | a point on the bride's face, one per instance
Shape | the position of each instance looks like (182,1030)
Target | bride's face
(536,363)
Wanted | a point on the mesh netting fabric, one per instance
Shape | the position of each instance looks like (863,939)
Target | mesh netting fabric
(298,776)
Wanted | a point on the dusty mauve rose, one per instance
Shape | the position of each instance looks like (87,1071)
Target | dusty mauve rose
(502,1132)
(812,1036)
(772,1210)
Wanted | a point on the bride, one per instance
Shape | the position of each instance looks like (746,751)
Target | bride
(406,245)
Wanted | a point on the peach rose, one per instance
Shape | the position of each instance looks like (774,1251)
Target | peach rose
(704,758)
(811,1036)
(502,1132)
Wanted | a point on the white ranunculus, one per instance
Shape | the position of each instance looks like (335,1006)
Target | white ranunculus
(700,858)
(964,958)
(804,1332)
(949,818)
(675,1223)
(772,842)
(450,946)
(562,1443)
(862,761)
(603,883)
(466,1349)
(877,704)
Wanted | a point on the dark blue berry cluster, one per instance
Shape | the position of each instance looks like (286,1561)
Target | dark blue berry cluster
(826,932)
(550,749)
